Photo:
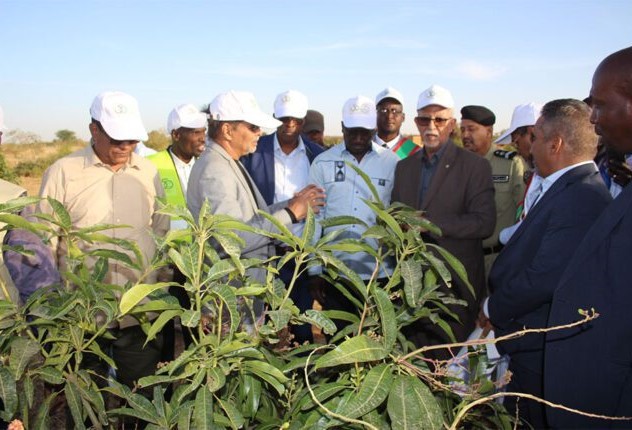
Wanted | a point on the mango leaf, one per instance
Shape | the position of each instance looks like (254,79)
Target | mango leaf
(438,266)
(320,320)
(359,349)
(456,265)
(18,221)
(42,419)
(137,293)
(250,389)
(387,317)
(8,392)
(190,318)
(215,379)
(73,399)
(203,409)
(268,373)
(279,318)
(340,220)
(227,295)
(60,213)
(367,181)
(322,392)
(411,405)
(235,418)
(159,323)
(372,393)
(387,218)
(219,270)
(185,259)
(185,416)
(22,352)
(413,277)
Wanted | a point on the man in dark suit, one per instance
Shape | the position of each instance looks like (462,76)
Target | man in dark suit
(570,197)
(280,167)
(454,189)
(590,367)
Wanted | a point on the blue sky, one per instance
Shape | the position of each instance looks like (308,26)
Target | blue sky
(58,54)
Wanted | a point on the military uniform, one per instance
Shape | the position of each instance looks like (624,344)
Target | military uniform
(508,178)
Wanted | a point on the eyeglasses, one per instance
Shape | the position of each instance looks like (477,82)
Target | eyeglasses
(289,119)
(251,127)
(424,121)
(392,111)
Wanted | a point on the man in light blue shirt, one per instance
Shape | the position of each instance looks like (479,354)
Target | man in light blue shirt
(346,191)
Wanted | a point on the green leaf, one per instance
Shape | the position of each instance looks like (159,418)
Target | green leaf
(411,405)
(413,277)
(279,318)
(22,352)
(387,316)
(219,270)
(439,266)
(372,393)
(215,379)
(73,399)
(387,218)
(359,349)
(190,318)
(159,323)
(8,391)
(320,320)
(233,414)
(322,392)
(203,409)
(456,265)
(50,375)
(268,373)
(185,415)
(138,292)
(42,419)
(60,212)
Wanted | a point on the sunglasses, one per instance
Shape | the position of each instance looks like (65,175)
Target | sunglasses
(424,121)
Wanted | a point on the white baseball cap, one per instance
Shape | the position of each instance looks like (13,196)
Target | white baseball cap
(435,95)
(3,126)
(186,115)
(240,106)
(118,114)
(389,93)
(523,115)
(359,112)
(290,103)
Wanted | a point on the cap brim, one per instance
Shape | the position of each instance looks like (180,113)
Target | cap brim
(505,138)
(262,120)
(359,123)
(125,131)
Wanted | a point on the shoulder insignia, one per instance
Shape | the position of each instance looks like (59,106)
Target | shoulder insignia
(509,155)
(500,178)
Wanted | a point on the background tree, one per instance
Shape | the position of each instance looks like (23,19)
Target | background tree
(66,135)
(158,140)
(20,137)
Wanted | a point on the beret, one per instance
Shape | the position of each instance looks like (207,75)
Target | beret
(478,114)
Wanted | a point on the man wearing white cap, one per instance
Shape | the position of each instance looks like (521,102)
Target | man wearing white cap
(454,189)
(219,178)
(187,127)
(346,190)
(390,117)
(520,133)
(106,183)
(279,168)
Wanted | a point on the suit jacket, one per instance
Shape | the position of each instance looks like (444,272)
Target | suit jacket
(216,177)
(260,164)
(526,272)
(590,368)
(460,201)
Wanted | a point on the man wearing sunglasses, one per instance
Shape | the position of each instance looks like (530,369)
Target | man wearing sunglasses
(279,168)
(106,183)
(219,178)
(453,188)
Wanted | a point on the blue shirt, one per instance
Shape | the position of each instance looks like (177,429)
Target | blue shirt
(345,191)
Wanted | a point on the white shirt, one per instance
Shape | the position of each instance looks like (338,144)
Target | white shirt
(390,144)
(291,174)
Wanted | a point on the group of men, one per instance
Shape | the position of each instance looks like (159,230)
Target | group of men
(537,231)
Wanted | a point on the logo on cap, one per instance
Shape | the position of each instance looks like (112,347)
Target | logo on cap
(120,108)
(365,108)
(431,93)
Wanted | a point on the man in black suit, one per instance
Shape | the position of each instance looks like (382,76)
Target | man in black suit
(590,367)
(568,199)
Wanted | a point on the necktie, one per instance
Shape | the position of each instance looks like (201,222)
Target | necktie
(531,199)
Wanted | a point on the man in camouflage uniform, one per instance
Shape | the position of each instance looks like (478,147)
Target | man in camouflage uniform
(477,129)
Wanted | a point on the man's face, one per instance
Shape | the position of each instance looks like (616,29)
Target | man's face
(435,124)
(114,153)
(476,137)
(611,110)
(522,138)
(540,150)
(390,117)
(290,129)
(357,140)
(316,136)
(244,138)
(189,141)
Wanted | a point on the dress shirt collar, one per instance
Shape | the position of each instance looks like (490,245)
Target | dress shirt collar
(299,149)
(90,158)
(390,144)
(436,156)
(178,162)
(553,177)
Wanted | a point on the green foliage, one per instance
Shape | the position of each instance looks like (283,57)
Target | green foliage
(66,135)
(7,173)
(36,167)
(158,140)
(237,373)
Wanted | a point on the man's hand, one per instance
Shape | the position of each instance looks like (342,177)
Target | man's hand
(312,196)
(484,322)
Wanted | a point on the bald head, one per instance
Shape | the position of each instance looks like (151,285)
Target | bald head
(611,99)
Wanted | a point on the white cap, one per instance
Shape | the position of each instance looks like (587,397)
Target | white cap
(523,115)
(3,126)
(186,115)
(240,106)
(389,93)
(118,114)
(435,95)
(290,103)
(359,112)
